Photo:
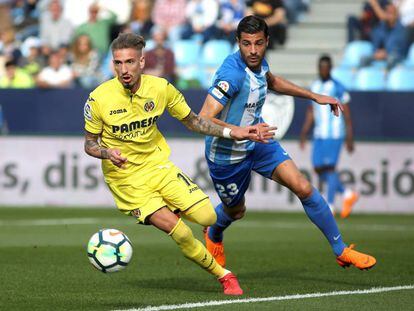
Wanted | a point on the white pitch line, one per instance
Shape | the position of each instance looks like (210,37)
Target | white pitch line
(275,298)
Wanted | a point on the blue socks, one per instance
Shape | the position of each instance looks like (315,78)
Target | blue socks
(315,207)
(215,233)
(319,213)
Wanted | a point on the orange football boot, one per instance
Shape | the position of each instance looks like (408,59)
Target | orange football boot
(231,285)
(351,257)
(215,249)
(348,203)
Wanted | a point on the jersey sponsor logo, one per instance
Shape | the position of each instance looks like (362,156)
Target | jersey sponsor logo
(117,111)
(250,105)
(87,111)
(149,106)
(129,127)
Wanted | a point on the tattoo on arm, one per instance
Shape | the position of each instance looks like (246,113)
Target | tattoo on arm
(93,148)
(197,124)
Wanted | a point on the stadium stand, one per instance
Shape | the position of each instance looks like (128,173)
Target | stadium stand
(400,79)
(369,79)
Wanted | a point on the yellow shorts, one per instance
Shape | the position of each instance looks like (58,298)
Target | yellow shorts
(163,185)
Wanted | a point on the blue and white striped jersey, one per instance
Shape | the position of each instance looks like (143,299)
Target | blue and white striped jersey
(327,126)
(242,92)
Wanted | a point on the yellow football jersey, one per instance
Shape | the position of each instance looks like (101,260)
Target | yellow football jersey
(128,122)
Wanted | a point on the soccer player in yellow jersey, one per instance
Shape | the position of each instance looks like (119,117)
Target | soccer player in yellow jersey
(120,122)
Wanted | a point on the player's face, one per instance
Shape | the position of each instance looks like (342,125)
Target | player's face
(128,64)
(253,48)
(324,70)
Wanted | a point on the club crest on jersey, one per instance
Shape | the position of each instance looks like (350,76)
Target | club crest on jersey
(149,106)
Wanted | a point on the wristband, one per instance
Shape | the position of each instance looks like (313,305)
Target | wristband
(226,133)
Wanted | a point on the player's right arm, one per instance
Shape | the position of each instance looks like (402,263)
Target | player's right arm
(94,149)
(93,130)
(211,108)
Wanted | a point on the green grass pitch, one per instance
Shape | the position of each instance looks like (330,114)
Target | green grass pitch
(44,266)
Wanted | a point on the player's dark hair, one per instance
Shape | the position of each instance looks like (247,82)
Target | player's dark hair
(252,24)
(325,58)
(128,41)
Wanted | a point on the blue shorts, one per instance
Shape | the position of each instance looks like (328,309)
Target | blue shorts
(326,152)
(231,181)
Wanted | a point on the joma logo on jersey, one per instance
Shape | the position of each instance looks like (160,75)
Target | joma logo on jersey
(128,127)
(118,111)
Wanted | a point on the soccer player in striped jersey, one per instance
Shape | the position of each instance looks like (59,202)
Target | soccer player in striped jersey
(328,135)
(236,99)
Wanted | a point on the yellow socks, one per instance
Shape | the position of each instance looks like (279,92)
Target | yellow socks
(194,250)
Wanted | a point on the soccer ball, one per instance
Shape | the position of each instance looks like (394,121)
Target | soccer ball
(109,250)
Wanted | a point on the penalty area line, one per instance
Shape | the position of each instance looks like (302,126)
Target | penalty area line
(373,290)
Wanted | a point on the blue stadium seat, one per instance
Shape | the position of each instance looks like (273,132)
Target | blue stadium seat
(214,52)
(410,57)
(355,52)
(186,52)
(369,79)
(187,55)
(401,79)
(344,75)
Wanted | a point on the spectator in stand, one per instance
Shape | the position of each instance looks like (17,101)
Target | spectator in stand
(8,44)
(99,30)
(85,63)
(406,11)
(170,15)
(55,30)
(294,9)
(141,22)
(56,74)
(360,27)
(25,18)
(231,13)
(32,61)
(201,16)
(274,14)
(15,78)
(389,36)
(160,61)
(5,16)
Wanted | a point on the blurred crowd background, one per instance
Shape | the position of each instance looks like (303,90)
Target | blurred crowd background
(65,43)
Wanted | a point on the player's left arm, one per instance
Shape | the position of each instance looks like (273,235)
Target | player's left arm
(283,86)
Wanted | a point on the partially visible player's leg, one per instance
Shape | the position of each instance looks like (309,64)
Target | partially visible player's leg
(231,182)
(315,206)
(325,154)
(213,234)
(319,213)
(193,249)
(202,213)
